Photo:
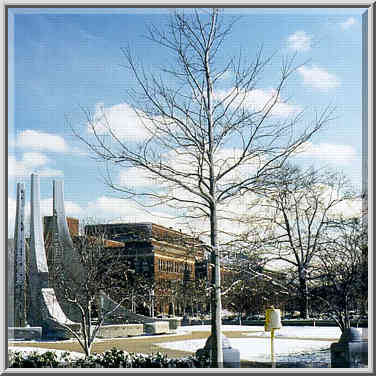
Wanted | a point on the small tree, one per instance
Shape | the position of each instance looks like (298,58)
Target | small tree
(101,273)
(132,287)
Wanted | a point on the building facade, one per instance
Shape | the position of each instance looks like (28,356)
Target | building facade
(172,261)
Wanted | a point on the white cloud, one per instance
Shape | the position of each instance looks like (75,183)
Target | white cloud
(258,100)
(121,119)
(102,210)
(348,23)
(348,208)
(73,210)
(112,209)
(34,159)
(135,178)
(299,41)
(31,162)
(34,140)
(334,153)
(318,78)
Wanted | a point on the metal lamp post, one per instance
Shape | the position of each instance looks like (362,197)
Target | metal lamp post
(152,303)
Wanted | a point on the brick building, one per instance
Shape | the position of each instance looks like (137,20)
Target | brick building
(162,252)
(159,253)
(164,256)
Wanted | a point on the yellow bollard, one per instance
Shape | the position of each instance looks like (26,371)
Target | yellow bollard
(272,322)
(272,347)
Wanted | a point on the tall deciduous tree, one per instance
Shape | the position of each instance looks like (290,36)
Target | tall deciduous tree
(342,271)
(205,143)
(296,218)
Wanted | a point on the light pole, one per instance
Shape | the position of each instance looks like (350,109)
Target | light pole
(152,302)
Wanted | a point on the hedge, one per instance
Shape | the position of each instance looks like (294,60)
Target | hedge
(113,358)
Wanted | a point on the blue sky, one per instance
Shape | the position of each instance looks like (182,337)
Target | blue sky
(63,59)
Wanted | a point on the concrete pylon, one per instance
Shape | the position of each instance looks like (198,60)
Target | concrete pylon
(63,259)
(68,257)
(38,277)
(64,256)
(59,211)
(19,271)
(42,306)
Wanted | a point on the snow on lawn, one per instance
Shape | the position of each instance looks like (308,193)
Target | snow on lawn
(258,349)
(255,349)
(286,331)
(228,328)
(303,332)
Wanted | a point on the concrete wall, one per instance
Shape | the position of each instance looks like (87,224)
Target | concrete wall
(120,331)
(157,327)
(26,334)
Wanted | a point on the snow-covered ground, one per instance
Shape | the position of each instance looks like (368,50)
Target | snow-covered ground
(289,340)
(303,332)
(286,331)
(255,349)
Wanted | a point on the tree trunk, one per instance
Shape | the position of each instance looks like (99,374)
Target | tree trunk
(216,304)
(303,294)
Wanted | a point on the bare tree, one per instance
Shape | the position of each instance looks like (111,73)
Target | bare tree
(251,288)
(102,272)
(297,216)
(341,272)
(205,145)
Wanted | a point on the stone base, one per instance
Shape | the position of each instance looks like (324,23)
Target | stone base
(157,327)
(349,355)
(231,357)
(351,351)
(25,334)
(173,323)
(120,331)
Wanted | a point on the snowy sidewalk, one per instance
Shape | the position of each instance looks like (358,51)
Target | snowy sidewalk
(290,340)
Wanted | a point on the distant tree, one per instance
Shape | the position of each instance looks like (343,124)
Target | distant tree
(294,217)
(205,145)
(340,272)
(129,286)
(250,288)
(201,294)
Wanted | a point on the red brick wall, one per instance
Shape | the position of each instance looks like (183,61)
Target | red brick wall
(73,225)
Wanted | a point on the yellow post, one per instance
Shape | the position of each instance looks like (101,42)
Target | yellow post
(272,347)
(272,322)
